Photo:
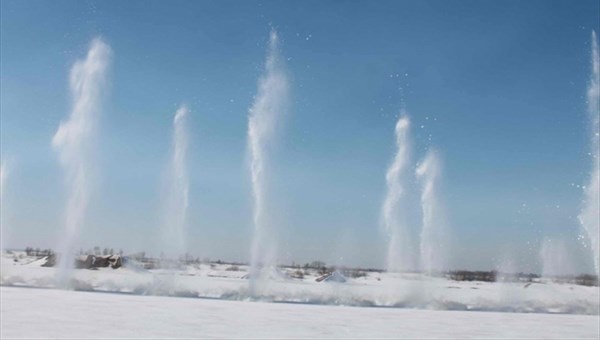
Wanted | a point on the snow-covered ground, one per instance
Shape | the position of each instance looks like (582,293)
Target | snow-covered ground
(214,300)
(52,313)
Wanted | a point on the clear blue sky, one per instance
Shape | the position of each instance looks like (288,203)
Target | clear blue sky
(504,80)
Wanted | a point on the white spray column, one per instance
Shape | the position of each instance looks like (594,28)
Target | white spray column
(394,210)
(433,217)
(74,143)
(590,214)
(266,113)
(178,186)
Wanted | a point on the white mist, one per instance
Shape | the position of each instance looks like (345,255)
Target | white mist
(555,258)
(3,176)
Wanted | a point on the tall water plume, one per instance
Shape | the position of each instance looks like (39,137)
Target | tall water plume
(589,215)
(74,141)
(394,211)
(178,186)
(266,113)
(432,248)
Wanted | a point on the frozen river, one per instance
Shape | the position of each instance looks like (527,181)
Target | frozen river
(52,313)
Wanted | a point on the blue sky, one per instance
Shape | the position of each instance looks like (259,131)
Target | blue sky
(499,86)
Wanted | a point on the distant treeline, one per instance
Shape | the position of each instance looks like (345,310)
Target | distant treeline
(321,267)
(583,279)
(30,251)
(467,275)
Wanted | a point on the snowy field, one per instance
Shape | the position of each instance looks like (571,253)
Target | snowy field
(34,313)
(213,300)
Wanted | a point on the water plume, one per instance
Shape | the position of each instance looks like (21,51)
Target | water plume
(265,114)
(3,176)
(555,258)
(589,216)
(74,142)
(178,186)
(433,218)
(394,210)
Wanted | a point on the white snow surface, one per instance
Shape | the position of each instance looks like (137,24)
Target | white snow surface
(53,313)
(224,281)
(213,300)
